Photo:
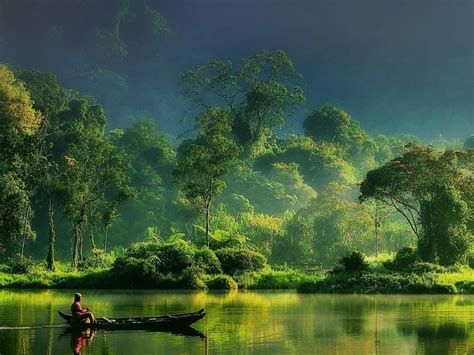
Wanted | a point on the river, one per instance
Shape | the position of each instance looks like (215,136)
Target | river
(257,322)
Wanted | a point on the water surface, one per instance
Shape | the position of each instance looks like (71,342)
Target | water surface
(244,322)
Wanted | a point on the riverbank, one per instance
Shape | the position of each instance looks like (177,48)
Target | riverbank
(154,264)
(109,279)
(460,282)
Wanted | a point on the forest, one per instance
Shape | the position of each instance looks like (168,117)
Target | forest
(233,196)
(235,200)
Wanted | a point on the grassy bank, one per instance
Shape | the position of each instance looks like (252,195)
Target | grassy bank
(385,283)
(461,281)
(157,265)
(108,279)
(402,274)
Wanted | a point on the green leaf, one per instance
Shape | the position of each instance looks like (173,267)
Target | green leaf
(220,234)
(175,237)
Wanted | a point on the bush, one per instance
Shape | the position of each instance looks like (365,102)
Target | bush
(422,268)
(207,260)
(466,287)
(470,259)
(221,282)
(192,278)
(21,265)
(236,261)
(377,283)
(137,272)
(354,262)
(142,262)
(98,260)
(176,257)
(275,280)
(403,261)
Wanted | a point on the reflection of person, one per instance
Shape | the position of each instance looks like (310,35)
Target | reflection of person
(79,340)
(78,312)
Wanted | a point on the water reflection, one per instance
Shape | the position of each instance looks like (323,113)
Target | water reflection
(80,339)
(247,322)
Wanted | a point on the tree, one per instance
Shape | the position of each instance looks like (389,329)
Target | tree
(446,237)
(92,168)
(257,94)
(340,224)
(50,98)
(411,184)
(19,123)
(318,163)
(469,142)
(153,160)
(204,161)
(378,212)
(333,125)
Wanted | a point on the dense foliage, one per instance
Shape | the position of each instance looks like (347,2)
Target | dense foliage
(233,196)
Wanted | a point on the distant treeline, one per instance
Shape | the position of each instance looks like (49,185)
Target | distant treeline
(68,186)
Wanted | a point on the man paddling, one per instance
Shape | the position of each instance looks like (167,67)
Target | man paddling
(80,313)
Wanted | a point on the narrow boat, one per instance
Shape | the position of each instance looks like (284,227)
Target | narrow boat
(177,321)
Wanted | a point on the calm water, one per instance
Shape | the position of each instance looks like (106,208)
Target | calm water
(246,322)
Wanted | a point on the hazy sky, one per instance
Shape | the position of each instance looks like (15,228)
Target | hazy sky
(398,66)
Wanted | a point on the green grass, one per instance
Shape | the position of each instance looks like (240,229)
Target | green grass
(272,280)
(465,273)
(376,280)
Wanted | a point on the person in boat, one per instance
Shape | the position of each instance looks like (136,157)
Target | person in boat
(80,313)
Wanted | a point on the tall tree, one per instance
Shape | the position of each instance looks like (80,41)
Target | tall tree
(446,237)
(411,184)
(203,162)
(50,98)
(19,123)
(92,167)
(257,94)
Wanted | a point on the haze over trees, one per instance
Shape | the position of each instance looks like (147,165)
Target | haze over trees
(73,190)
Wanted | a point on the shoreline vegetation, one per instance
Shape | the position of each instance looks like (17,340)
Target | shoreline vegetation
(144,266)
(232,203)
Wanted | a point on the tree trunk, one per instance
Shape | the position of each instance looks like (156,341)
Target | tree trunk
(91,237)
(106,233)
(208,220)
(75,245)
(376,232)
(22,245)
(52,235)
(81,236)
(81,243)
(24,232)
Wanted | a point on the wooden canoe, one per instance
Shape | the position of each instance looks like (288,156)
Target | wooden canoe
(177,321)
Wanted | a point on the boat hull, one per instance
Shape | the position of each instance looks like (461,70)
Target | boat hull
(178,321)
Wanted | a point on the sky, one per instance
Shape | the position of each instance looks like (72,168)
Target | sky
(397,66)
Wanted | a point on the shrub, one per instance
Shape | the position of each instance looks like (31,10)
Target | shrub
(470,259)
(21,265)
(376,283)
(221,282)
(98,260)
(235,261)
(207,260)
(354,262)
(153,256)
(466,287)
(175,257)
(403,261)
(192,278)
(422,268)
(279,280)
